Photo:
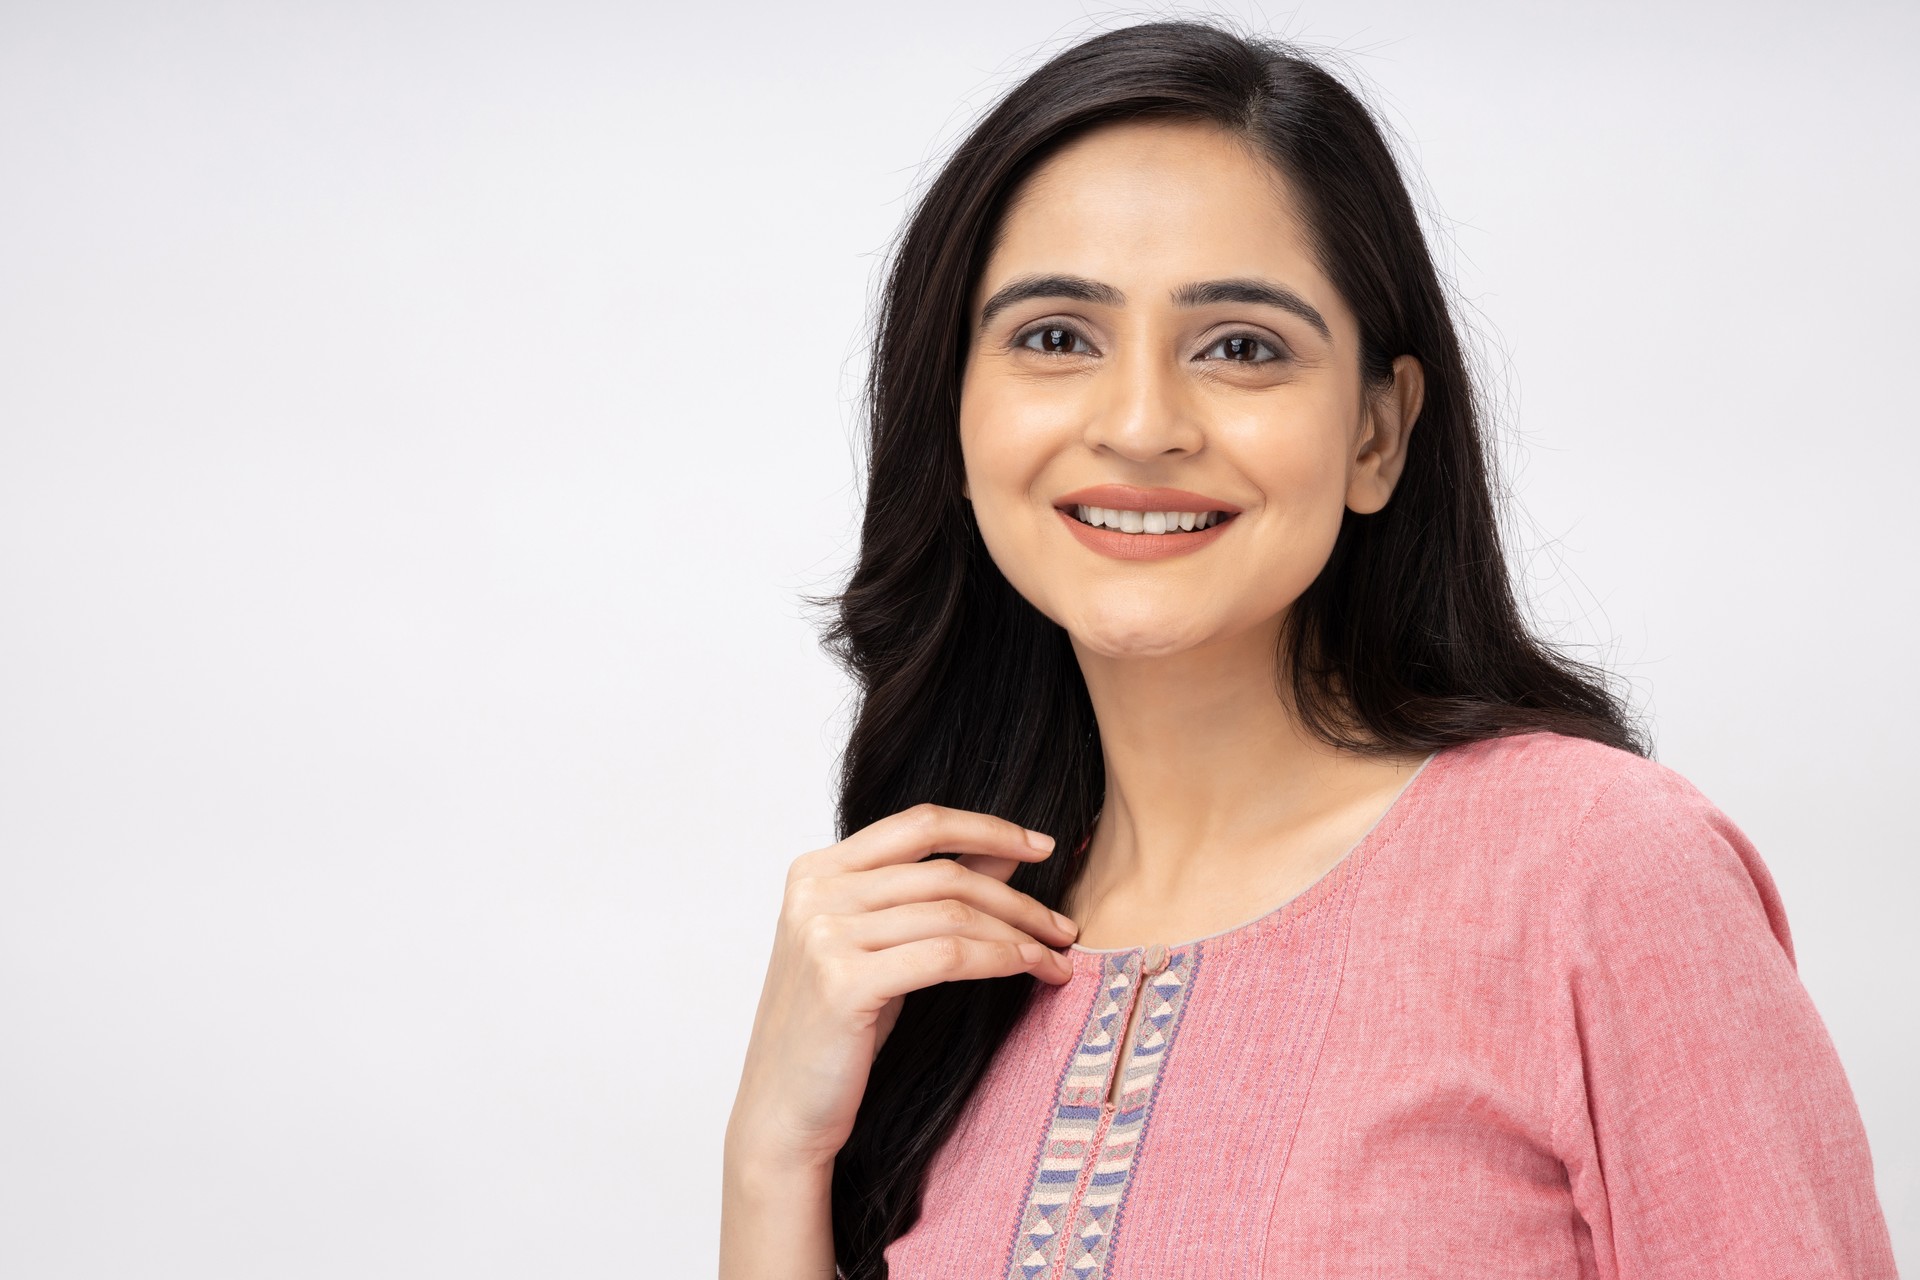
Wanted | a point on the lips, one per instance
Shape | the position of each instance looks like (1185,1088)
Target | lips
(1127,497)
(1142,546)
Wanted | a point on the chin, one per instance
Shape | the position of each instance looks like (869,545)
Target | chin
(1150,639)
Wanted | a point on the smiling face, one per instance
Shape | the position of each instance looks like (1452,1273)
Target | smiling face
(1152,317)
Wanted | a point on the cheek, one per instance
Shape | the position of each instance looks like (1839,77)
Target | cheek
(1296,459)
(1300,472)
(1004,442)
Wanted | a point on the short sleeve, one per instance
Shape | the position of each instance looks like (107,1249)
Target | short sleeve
(1702,1112)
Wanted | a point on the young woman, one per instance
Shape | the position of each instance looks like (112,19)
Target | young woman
(1386,948)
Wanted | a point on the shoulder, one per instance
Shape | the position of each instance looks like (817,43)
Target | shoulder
(1533,790)
(1609,840)
(1550,767)
(1548,782)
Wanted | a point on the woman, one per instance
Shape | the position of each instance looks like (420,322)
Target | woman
(1386,948)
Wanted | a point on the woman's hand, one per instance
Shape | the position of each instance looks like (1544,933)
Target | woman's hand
(864,922)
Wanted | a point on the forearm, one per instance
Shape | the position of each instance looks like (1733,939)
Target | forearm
(775,1223)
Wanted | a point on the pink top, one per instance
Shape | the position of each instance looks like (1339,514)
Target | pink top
(1542,1020)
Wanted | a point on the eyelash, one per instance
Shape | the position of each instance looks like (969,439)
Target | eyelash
(1021,341)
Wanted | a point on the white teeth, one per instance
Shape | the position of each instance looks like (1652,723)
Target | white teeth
(1147,522)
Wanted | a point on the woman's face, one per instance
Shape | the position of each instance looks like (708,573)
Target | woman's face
(1152,318)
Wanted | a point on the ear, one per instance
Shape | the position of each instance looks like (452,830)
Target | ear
(1382,452)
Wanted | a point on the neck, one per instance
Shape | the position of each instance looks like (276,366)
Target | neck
(1215,791)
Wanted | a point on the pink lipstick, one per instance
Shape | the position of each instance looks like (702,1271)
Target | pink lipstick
(1143,546)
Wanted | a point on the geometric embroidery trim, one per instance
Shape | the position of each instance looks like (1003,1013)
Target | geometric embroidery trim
(1087,1158)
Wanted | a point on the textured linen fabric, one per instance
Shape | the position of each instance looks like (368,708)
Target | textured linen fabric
(1542,1020)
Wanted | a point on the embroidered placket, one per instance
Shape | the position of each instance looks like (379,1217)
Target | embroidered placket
(1073,1205)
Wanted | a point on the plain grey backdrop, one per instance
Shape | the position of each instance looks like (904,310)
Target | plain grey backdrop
(419,421)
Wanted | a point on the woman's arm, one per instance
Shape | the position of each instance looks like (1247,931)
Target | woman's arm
(862,923)
(775,1223)
(1705,1119)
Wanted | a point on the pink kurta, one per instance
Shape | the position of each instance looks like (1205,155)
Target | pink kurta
(1543,1020)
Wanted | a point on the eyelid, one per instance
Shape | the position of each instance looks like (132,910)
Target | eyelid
(1026,331)
(1281,352)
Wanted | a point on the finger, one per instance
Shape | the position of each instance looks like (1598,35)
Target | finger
(913,921)
(947,958)
(988,864)
(912,834)
(944,879)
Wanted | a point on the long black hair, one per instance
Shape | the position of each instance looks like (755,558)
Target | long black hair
(1410,639)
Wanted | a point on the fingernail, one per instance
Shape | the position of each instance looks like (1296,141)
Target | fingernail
(1038,839)
(1065,924)
(1032,951)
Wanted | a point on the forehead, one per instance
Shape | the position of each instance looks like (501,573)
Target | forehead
(1148,205)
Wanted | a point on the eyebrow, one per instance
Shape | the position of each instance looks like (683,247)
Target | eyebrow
(1259,292)
(1199,294)
(1079,288)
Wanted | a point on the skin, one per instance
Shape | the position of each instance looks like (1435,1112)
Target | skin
(1219,806)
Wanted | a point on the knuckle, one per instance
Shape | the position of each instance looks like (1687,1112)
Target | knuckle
(954,913)
(820,934)
(947,953)
(802,901)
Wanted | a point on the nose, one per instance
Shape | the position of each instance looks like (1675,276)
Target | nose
(1141,407)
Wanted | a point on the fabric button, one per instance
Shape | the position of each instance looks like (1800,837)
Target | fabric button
(1155,959)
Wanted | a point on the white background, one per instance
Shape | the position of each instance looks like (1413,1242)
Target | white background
(418,422)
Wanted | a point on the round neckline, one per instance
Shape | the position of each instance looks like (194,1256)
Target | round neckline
(1382,827)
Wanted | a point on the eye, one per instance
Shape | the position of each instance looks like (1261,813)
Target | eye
(1054,340)
(1245,348)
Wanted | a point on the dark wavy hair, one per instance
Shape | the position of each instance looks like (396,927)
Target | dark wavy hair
(1409,640)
